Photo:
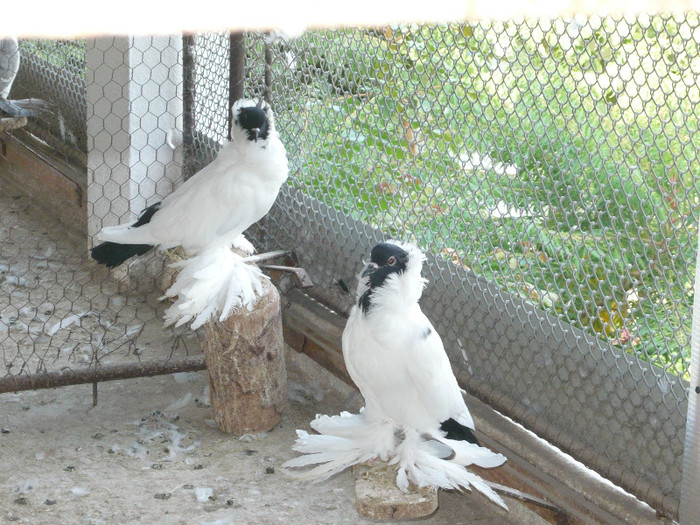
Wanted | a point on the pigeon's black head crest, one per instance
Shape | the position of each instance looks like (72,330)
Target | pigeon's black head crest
(253,120)
(386,259)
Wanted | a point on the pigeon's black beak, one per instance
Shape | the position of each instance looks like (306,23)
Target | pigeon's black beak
(369,269)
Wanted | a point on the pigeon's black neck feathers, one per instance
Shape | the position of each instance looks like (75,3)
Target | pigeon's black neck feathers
(253,120)
(365,300)
(386,259)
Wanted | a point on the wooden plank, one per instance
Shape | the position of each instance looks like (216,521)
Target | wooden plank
(55,185)
(45,179)
(314,330)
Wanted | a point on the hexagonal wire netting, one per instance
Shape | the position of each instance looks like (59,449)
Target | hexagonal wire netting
(548,167)
(60,313)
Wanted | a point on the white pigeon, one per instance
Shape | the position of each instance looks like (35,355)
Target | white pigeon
(397,360)
(207,215)
(218,203)
(9,66)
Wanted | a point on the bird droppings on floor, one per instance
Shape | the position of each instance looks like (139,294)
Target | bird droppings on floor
(146,454)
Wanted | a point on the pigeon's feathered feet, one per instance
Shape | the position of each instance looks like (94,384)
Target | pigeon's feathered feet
(212,284)
(426,461)
(342,441)
(243,244)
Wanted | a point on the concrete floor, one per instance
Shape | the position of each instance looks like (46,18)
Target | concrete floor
(149,453)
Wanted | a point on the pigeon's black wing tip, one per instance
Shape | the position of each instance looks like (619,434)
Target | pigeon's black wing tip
(458,432)
(147,214)
(112,254)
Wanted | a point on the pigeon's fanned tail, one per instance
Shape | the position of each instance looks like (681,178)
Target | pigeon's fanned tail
(112,254)
(214,283)
(343,441)
(418,464)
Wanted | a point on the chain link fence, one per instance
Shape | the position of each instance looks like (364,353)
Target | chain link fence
(549,168)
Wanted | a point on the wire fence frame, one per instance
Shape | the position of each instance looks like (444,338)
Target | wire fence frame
(86,326)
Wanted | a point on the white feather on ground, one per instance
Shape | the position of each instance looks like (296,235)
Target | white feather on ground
(212,284)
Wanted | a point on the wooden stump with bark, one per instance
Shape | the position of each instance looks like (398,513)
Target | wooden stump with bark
(245,360)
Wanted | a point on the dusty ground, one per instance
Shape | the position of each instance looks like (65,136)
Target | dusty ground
(149,453)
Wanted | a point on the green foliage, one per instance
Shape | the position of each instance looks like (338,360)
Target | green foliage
(61,53)
(556,158)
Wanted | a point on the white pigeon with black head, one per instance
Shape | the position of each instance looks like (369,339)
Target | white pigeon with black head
(218,203)
(206,216)
(397,360)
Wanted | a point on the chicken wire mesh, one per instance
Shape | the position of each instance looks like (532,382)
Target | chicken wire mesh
(63,318)
(54,71)
(548,167)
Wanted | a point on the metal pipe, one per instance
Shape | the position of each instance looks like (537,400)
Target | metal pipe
(189,63)
(68,376)
(690,502)
(236,72)
(268,72)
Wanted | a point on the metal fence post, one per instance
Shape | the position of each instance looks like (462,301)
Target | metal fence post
(189,63)
(236,71)
(134,124)
(690,486)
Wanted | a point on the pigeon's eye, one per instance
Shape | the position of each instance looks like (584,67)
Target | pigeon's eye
(391,261)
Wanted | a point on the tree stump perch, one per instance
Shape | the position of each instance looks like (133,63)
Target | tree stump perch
(378,498)
(245,360)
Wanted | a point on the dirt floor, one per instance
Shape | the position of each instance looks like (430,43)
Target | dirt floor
(149,453)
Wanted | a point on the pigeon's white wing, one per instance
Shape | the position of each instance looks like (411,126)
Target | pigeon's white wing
(430,372)
(399,364)
(215,205)
(190,215)
(224,192)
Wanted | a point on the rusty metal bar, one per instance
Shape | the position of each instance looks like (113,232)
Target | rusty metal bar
(268,73)
(189,63)
(236,73)
(68,376)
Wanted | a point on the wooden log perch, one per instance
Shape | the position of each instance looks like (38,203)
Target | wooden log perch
(378,498)
(245,360)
